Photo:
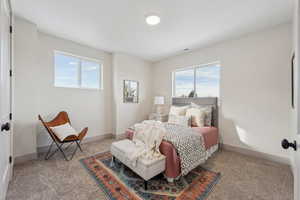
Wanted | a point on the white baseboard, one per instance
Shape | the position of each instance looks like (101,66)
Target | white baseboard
(120,136)
(97,138)
(43,149)
(25,158)
(248,152)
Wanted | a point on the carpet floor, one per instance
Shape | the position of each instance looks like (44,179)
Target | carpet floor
(243,178)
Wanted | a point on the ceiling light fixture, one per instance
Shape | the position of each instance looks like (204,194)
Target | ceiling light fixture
(152,20)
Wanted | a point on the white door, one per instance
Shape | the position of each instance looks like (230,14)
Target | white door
(5,96)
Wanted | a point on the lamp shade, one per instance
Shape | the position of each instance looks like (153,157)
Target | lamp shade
(159,100)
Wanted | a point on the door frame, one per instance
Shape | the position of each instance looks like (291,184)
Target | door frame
(296,135)
(7,39)
(11,88)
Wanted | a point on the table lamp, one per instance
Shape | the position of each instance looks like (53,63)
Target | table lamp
(158,102)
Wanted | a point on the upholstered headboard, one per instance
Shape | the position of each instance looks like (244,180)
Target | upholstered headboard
(212,101)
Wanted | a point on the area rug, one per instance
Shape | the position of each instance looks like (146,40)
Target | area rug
(120,183)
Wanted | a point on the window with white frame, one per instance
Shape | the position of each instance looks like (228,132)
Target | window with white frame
(199,81)
(77,72)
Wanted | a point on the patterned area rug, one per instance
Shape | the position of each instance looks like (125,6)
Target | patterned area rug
(119,182)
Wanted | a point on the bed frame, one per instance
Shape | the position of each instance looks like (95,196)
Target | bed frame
(206,101)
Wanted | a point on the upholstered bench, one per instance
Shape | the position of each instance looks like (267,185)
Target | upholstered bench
(146,169)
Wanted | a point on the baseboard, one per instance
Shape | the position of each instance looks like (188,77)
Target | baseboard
(97,138)
(25,158)
(43,149)
(120,136)
(249,152)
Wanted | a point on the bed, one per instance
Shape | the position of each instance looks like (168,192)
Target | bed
(210,136)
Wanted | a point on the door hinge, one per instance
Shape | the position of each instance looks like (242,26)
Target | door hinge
(10,29)
(10,116)
(10,72)
(10,159)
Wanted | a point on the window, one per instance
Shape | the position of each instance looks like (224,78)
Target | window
(200,81)
(76,72)
(184,82)
(208,81)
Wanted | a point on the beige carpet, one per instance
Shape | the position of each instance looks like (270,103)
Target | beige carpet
(243,178)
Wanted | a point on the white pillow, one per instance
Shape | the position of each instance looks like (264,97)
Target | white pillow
(197,116)
(208,112)
(179,120)
(63,131)
(179,111)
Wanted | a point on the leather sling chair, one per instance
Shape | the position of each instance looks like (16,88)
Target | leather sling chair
(61,119)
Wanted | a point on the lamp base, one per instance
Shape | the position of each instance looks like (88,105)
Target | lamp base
(159,109)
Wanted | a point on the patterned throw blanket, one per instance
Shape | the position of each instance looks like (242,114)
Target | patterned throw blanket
(189,145)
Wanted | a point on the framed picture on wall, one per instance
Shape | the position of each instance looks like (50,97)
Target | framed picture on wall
(293,80)
(131,91)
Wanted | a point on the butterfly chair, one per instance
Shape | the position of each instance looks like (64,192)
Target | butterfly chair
(60,119)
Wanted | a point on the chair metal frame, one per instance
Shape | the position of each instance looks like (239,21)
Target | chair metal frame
(60,119)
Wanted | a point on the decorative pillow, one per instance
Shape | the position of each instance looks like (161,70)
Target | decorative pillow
(208,112)
(179,111)
(63,131)
(180,120)
(197,116)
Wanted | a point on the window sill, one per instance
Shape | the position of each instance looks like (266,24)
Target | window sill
(79,88)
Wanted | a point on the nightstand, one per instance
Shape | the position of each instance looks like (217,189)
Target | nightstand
(158,117)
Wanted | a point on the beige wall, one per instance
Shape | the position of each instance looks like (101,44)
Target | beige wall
(126,67)
(91,108)
(103,111)
(25,87)
(255,87)
(35,92)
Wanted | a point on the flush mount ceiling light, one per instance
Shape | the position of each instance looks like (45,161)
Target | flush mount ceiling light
(152,20)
